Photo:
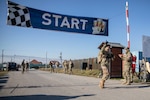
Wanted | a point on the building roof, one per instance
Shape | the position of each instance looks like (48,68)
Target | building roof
(116,45)
(35,62)
(112,44)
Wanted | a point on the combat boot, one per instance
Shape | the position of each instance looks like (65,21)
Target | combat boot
(124,82)
(101,85)
(128,83)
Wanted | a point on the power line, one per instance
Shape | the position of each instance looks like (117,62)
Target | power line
(19,58)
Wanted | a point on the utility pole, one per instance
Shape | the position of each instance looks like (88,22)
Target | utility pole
(14,57)
(2,56)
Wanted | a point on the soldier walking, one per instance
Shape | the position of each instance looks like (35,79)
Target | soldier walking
(51,66)
(26,66)
(23,66)
(104,57)
(65,64)
(71,65)
(57,66)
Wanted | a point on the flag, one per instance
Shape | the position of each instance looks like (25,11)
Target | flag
(146,46)
(19,15)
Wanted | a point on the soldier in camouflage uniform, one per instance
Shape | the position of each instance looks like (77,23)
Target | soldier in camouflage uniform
(56,66)
(104,58)
(51,66)
(127,65)
(65,64)
(23,66)
(70,66)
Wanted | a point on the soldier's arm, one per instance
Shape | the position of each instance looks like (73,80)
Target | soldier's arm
(103,47)
(99,57)
(120,55)
(128,57)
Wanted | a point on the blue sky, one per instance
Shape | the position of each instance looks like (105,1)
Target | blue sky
(36,42)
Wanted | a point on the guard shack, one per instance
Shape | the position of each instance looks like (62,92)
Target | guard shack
(115,67)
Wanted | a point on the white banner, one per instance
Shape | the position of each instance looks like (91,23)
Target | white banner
(146,46)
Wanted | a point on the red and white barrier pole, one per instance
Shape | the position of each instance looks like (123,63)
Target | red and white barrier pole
(133,63)
(128,27)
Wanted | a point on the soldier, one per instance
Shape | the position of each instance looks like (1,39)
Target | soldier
(57,66)
(127,65)
(27,66)
(65,64)
(104,57)
(23,66)
(51,66)
(71,65)
(143,71)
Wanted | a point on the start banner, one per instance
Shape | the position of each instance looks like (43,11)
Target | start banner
(19,15)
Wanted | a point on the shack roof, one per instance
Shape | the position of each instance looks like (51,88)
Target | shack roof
(112,44)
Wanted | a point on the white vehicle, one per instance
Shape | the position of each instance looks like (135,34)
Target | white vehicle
(5,66)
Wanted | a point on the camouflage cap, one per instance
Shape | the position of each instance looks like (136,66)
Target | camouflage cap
(101,45)
(127,48)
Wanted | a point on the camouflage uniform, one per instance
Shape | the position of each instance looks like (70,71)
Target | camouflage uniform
(65,64)
(57,66)
(51,67)
(23,66)
(104,57)
(70,66)
(27,66)
(127,66)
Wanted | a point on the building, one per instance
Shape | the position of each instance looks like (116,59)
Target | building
(115,67)
(35,64)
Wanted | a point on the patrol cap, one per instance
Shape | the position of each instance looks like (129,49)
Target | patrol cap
(108,45)
(127,48)
(101,45)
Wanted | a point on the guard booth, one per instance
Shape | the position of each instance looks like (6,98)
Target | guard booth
(115,67)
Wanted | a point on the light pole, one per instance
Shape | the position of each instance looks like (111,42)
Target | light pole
(14,57)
